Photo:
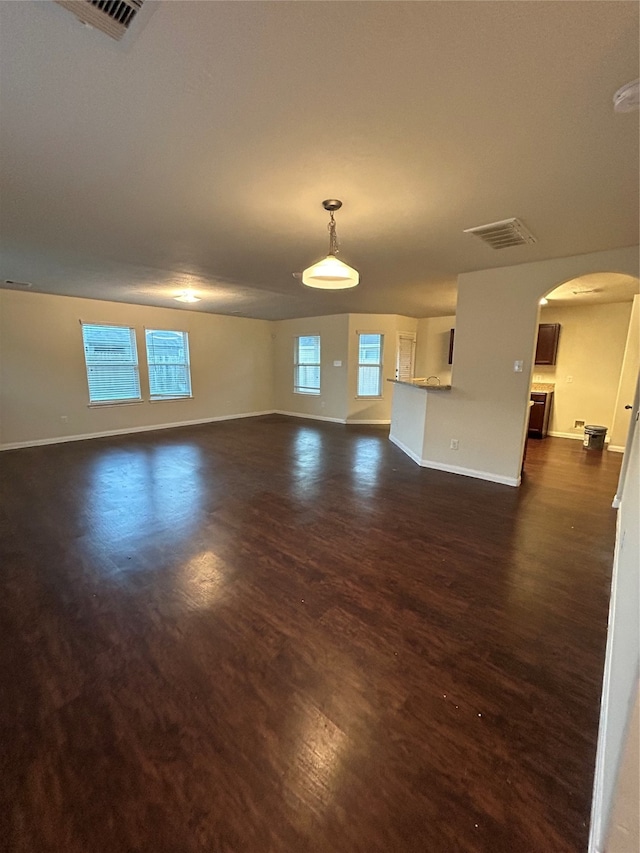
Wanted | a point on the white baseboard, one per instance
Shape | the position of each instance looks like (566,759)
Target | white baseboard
(17,445)
(383,422)
(309,417)
(456,469)
(403,447)
(579,436)
(614,448)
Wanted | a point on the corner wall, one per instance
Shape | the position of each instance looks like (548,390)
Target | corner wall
(43,377)
(432,351)
(331,403)
(628,380)
(375,410)
(487,409)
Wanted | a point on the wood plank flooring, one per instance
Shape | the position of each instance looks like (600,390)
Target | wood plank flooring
(281,636)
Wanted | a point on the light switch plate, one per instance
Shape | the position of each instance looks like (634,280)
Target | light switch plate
(517,366)
(337,364)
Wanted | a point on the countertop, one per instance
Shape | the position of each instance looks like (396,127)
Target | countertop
(422,385)
(542,387)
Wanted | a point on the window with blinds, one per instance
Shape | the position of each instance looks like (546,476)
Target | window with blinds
(369,365)
(405,356)
(111,359)
(306,370)
(168,362)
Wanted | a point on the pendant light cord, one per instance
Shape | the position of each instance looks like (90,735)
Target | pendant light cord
(333,238)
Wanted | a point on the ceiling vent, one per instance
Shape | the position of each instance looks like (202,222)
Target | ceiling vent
(113,17)
(502,235)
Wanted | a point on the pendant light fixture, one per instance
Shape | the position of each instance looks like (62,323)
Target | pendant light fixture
(331,273)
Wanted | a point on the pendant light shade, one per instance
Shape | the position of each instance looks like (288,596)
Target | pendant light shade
(331,273)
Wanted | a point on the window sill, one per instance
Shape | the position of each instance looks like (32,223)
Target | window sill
(308,393)
(170,399)
(108,403)
(379,397)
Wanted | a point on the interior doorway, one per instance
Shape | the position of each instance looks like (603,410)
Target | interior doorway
(596,360)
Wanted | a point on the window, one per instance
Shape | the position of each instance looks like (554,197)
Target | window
(369,365)
(168,360)
(405,356)
(111,359)
(306,371)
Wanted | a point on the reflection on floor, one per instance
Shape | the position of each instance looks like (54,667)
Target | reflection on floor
(280,635)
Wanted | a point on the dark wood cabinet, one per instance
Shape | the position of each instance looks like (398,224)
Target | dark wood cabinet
(547,346)
(539,414)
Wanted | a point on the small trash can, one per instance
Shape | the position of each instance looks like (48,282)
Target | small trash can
(594,437)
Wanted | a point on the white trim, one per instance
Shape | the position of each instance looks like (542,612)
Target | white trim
(596,824)
(403,447)
(615,448)
(579,436)
(384,421)
(575,435)
(309,417)
(456,469)
(16,445)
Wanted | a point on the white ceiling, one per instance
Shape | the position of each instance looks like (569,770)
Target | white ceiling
(198,150)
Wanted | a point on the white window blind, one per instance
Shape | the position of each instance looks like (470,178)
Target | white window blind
(111,360)
(405,356)
(306,371)
(369,365)
(168,361)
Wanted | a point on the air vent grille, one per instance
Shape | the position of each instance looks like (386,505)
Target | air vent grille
(113,17)
(503,234)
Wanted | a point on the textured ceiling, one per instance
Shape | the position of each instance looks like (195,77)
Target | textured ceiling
(198,150)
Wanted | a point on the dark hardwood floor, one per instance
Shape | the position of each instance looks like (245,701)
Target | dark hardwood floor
(279,635)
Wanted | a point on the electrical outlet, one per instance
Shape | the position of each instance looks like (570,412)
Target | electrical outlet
(454,444)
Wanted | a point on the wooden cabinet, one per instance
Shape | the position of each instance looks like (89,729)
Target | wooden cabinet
(540,412)
(547,347)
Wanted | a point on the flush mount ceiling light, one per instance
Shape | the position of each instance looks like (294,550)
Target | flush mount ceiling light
(187,296)
(331,273)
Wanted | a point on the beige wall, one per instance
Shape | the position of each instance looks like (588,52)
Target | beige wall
(43,378)
(338,384)
(487,409)
(624,832)
(628,380)
(389,325)
(332,401)
(590,351)
(622,658)
(432,352)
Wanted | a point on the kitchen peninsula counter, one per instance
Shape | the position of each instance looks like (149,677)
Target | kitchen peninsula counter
(410,415)
(423,385)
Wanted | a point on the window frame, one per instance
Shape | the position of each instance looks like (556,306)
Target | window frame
(114,401)
(379,365)
(164,398)
(306,391)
